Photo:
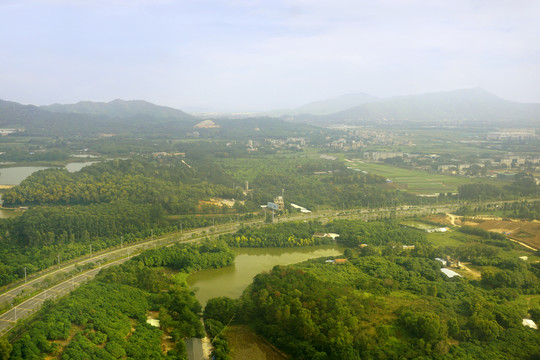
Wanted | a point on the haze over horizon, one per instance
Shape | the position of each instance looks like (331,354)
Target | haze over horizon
(249,55)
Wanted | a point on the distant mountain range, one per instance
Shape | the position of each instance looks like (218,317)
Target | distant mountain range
(467,106)
(92,118)
(135,118)
(119,109)
(475,107)
(325,107)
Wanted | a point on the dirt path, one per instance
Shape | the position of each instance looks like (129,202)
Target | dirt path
(523,244)
(475,274)
(452,218)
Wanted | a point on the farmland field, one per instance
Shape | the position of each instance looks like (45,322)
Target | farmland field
(415,181)
(527,232)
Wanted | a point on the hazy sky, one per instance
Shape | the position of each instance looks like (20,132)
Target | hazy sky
(258,55)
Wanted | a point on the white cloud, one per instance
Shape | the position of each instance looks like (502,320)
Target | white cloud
(266,53)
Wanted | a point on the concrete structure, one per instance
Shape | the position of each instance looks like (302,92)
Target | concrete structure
(194,349)
(377,156)
(433,230)
(442,261)
(280,203)
(511,134)
(301,208)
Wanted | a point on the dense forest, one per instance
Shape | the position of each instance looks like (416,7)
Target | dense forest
(289,234)
(388,301)
(523,185)
(386,308)
(385,301)
(173,184)
(102,203)
(342,188)
(106,318)
(131,198)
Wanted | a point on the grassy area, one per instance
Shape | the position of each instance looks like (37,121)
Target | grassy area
(452,238)
(245,344)
(448,238)
(416,181)
(417,225)
(249,168)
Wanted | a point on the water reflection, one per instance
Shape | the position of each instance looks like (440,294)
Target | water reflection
(232,280)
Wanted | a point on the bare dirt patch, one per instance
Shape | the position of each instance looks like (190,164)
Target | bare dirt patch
(64,343)
(219,202)
(476,275)
(440,219)
(167,343)
(246,345)
(527,232)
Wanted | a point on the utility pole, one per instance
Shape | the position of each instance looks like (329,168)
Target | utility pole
(152,234)
(25,274)
(58,257)
(121,242)
(90,250)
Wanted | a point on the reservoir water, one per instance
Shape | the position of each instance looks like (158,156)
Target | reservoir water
(15,175)
(231,281)
(76,166)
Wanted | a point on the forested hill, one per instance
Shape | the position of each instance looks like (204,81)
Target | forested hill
(105,204)
(140,119)
(121,109)
(175,186)
(36,121)
(121,118)
(467,106)
(329,106)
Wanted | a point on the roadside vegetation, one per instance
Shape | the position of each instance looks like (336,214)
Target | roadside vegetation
(385,298)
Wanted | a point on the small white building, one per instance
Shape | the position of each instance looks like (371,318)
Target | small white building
(530,323)
(442,261)
(450,273)
(330,235)
(433,230)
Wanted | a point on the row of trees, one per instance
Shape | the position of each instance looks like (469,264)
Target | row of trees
(289,234)
(354,232)
(524,184)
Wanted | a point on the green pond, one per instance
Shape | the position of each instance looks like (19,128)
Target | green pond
(231,281)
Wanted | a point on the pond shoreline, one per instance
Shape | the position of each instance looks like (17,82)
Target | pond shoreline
(231,281)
